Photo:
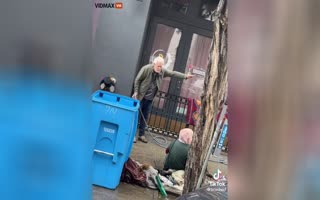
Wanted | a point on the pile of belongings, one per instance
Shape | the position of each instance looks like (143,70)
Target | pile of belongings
(173,181)
(145,176)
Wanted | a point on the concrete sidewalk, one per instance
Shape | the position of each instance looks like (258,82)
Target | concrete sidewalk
(154,155)
(127,192)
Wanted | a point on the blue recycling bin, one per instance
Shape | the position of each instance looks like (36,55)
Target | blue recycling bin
(115,119)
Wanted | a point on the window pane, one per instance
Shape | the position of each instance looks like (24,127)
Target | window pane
(207,8)
(176,5)
(197,63)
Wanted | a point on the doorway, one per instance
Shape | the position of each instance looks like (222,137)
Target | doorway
(184,40)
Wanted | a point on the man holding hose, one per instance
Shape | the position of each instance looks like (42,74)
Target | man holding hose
(146,85)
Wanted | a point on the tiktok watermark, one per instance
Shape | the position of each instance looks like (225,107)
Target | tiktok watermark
(219,184)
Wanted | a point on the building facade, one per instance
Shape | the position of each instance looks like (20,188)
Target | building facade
(179,30)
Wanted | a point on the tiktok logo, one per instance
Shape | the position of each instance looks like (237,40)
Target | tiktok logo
(218,175)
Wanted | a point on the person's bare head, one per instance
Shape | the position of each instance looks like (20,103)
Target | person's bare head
(158,63)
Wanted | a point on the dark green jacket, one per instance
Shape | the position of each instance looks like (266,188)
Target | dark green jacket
(144,78)
(177,156)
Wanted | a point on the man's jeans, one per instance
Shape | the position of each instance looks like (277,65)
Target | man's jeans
(145,106)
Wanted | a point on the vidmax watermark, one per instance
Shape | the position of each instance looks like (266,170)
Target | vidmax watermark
(219,184)
(116,5)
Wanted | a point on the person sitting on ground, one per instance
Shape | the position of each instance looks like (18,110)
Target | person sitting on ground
(177,152)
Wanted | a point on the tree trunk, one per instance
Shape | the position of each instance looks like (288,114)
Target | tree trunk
(215,92)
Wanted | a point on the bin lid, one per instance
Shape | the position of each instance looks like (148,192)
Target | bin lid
(116,100)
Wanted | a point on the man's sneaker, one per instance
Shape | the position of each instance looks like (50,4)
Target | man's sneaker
(143,139)
(135,140)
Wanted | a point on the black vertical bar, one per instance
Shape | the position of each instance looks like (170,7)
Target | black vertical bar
(171,113)
(177,113)
(168,102)
(161,112)
(185,109)
(159,99)
(181,106)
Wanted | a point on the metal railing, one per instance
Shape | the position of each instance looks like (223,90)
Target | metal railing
(168,114)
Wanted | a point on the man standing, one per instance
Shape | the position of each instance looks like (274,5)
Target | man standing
(146,85)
